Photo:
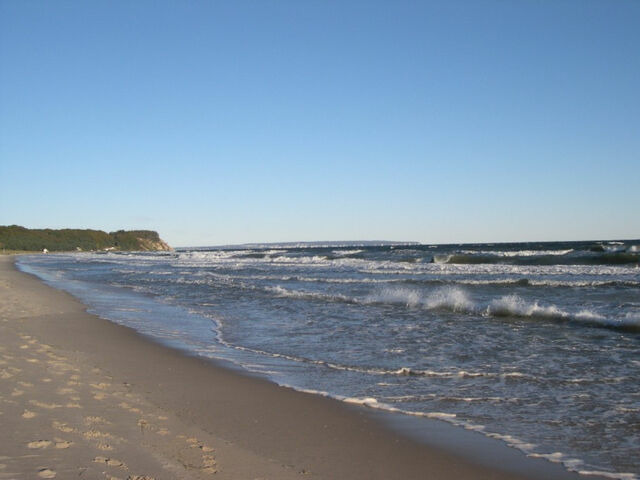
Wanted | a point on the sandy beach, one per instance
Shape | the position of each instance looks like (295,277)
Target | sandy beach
(81,397)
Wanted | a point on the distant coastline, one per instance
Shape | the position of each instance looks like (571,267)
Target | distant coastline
(14,238)
(303,244)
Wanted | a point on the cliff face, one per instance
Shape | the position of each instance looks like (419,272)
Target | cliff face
(15,237)
(154,245)
(146,240)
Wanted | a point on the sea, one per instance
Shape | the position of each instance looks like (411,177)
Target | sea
(534,344)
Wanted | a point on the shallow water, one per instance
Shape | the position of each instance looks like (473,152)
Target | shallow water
(535,344)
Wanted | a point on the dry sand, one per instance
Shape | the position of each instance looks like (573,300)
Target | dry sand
(81,397)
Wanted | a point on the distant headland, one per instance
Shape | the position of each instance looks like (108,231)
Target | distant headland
(17,238)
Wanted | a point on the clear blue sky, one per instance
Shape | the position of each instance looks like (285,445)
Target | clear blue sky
(220,122)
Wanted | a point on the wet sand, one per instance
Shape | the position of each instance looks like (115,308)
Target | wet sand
(83,397)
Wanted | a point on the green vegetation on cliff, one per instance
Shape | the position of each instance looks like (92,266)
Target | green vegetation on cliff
(14,237)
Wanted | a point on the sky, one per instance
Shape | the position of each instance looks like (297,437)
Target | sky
(222,122)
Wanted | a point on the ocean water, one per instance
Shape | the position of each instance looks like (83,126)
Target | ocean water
(536,344)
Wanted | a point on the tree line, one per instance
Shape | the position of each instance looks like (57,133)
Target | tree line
(15,237)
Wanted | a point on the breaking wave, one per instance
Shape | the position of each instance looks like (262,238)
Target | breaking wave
(457,300)
(563,257)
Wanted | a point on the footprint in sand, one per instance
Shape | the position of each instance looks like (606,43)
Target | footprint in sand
(112,462)
(195,443)
(62,444)
(97,435)
(62,427)
(102,440)
(130,408)
(48,406)
(100,386)
(39,444)
(208,461)
(46,473)
(60,368)
(65,391)
(208,464)
(96,420)
(142,424)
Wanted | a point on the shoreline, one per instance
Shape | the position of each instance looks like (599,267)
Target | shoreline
(251,428)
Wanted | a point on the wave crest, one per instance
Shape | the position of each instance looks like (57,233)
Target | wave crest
(513,305)
(541,257)
(457,300)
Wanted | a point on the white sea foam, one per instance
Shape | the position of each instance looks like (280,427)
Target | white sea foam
(337,280)
(346,252)
(285,292)
(366,401)
(513,305)
(371,402)
(577,465)
(615,248)
(404,296)
(446,398)
(545,282)
(517,253)
(454,299)
(396,268)
(442,258)
(583,283)
(601,473)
